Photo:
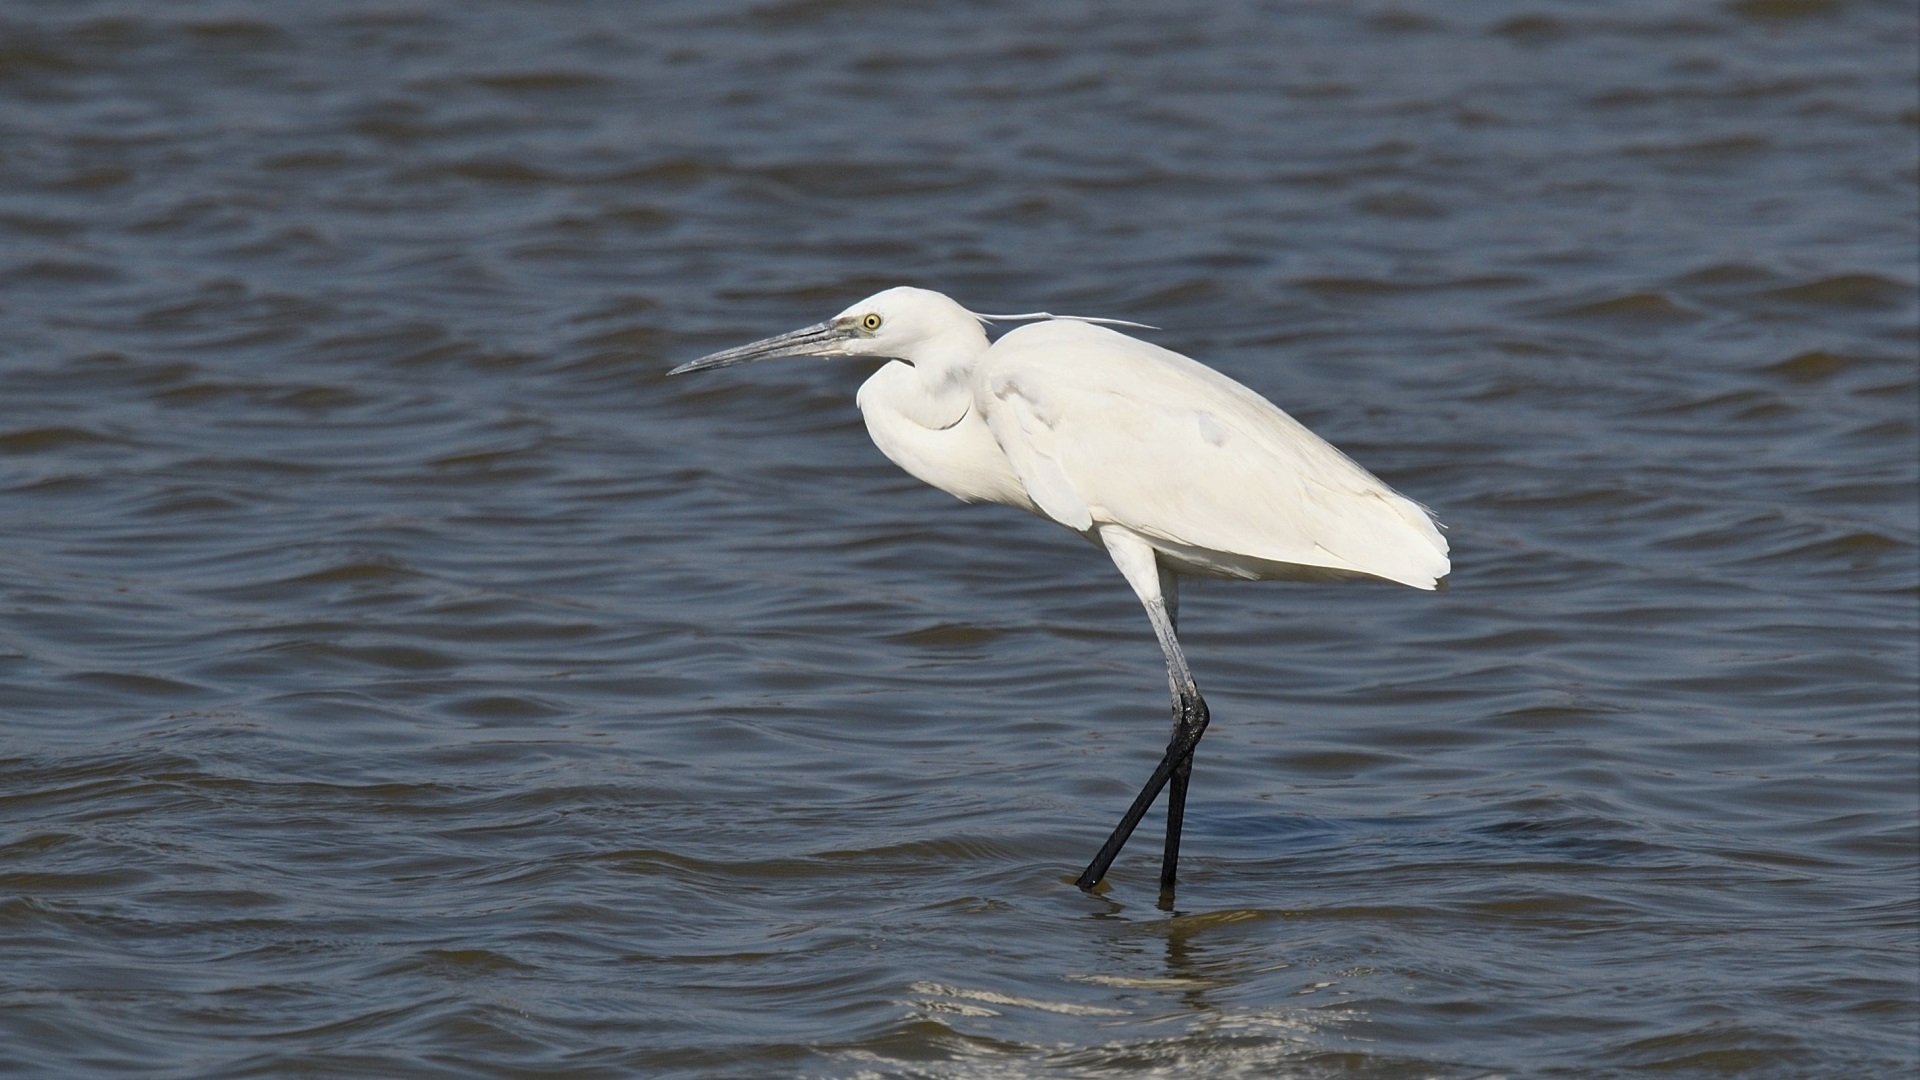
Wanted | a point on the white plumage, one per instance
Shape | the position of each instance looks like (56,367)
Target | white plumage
(1103,428)
(1169,465)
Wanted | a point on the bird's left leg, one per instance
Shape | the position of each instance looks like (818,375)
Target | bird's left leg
(1138,562)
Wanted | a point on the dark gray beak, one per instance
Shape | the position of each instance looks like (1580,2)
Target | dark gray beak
(816,340)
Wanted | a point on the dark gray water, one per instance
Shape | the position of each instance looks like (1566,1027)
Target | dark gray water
(400,677)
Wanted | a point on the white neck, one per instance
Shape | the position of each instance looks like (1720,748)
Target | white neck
(925,422)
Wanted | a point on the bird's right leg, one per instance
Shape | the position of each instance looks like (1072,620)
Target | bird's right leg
(1159,595)
(1186,704)
(1178,758)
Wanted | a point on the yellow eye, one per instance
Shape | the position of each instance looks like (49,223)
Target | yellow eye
(870,322)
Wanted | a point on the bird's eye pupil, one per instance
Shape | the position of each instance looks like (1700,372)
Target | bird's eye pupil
(871,322)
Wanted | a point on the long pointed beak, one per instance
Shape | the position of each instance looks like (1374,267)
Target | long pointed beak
(819,339)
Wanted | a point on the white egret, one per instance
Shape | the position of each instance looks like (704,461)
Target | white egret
(1168,465)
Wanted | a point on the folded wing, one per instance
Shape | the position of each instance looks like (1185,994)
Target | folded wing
(1104,428)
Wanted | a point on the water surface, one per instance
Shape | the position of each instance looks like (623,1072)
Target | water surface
(399,676)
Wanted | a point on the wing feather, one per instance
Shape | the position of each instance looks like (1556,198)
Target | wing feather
(1102,427)
(1027,433)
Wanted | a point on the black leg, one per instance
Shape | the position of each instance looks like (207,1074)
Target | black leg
(1179,752)
(1176,812)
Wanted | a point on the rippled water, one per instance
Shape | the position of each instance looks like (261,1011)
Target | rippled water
(400,677)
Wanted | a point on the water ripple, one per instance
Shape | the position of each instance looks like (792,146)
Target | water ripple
(403,677)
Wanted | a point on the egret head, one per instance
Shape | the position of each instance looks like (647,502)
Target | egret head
(901,323)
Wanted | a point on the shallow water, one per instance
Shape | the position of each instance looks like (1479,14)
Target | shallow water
(401,677)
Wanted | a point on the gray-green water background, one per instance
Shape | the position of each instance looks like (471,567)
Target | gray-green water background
(400,678)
